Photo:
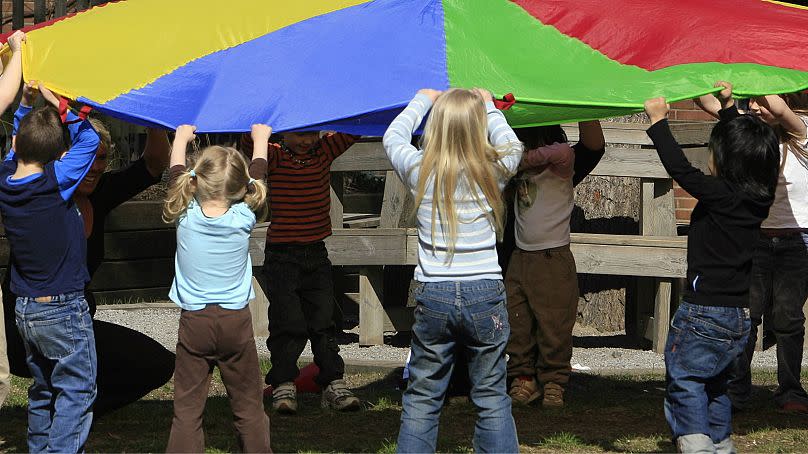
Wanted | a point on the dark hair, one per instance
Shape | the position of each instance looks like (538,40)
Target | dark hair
(41,136)
(746,152)
(540,136)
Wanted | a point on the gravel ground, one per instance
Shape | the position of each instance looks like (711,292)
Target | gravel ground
(598,352)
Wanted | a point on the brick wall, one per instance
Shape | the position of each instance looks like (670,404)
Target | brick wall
(685,111)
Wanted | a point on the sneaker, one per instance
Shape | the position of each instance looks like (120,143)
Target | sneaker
(524,390)
(337,396)
(553,395)
(284,398)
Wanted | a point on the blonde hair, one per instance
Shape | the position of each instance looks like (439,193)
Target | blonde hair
(457,151)
(220,173)
(103,133)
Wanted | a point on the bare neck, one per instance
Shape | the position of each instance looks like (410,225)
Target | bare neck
(214,208)
(25,169)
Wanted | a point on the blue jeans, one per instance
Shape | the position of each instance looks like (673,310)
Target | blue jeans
(466,318)
(702,344)
(60,352)
(777,294)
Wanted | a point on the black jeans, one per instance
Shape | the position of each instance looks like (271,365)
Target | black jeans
(298,283)
(778,290)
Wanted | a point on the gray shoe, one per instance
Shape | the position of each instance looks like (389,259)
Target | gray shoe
(695,444)
(337,396)
(284,398)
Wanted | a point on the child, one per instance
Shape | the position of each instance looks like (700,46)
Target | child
(541,280)
(9,86)
(711,325)
(214,205)
(297,273)
(779,284)
(49,271)
(457,180)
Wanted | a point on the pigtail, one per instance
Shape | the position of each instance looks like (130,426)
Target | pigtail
(256,199)
(178,197)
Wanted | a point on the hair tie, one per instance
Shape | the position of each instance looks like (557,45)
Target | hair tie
(252,180)
(192,173)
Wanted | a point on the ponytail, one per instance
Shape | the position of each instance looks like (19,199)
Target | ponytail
(256,199)
(178,198)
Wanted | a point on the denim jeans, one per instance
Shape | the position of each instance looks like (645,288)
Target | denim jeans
(60,352)
(454,318)
(778,290)
(702,344)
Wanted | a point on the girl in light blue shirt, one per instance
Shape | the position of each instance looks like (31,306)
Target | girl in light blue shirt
(214,205)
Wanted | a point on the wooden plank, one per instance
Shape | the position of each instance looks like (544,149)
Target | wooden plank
(630,260)
(366,156)
(364,221)
(662,314)
(142,244)
(371,311)
(137,215)
(134,274)
(137,306)
(634,133)
(657,214)
(679,242)
(397,205)
(131,296)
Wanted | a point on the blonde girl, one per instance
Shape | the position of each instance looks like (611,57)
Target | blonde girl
(214,205)
(468,153)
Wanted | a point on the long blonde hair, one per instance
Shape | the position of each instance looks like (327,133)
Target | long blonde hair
(220,173)
(457,151)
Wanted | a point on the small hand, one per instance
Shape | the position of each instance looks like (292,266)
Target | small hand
(185,134)
(15,41)
(30,93)
(432,94)
(483,93)
(725,95)
(260,133)
(657,109)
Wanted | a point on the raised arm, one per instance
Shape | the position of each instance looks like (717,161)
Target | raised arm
(259,135)
(398,137)
(501,135)
(29,95)
(558,156)
(786,117)
(157,151)
(335,144)
(589,150)
(185,134)
(705,188)
(12,73)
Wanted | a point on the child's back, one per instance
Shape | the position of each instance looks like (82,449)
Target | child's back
(214,207)
(711,325)
(49,271)
(457,181)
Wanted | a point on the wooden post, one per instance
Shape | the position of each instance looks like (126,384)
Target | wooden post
(337,211)
(371,311)
(259,310)
(17,14)
(657,217)
(60,8)
(39,11)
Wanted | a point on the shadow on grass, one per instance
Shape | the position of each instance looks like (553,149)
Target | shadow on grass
(604,413)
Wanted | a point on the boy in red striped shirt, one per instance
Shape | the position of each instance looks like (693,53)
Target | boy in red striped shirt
(297,272)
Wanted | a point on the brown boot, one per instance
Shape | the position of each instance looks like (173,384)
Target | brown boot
(553,395)
(524,390)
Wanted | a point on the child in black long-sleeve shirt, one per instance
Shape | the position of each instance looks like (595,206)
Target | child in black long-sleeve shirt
(711,325)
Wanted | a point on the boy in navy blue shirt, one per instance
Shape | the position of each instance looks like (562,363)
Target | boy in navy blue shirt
(49,271)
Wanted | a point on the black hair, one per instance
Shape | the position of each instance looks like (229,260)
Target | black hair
(41,137)
(746,152)
(540,136)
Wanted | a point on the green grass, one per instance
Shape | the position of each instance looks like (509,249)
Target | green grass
(604,414)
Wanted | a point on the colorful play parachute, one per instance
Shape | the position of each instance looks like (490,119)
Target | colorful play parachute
(351,65)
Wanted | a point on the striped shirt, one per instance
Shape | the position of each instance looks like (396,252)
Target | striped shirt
(299,195)
(475,254)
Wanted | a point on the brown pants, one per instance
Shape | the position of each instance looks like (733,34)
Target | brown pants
(542,289)
(217,337)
